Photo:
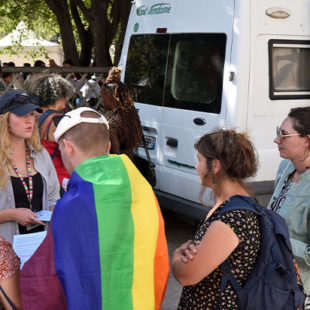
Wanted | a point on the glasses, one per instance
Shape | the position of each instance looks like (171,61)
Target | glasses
(280,134)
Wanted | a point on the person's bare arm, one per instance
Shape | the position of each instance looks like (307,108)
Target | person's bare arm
(217,244)
(11,289)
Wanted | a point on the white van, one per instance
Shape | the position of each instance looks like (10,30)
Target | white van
(197,65)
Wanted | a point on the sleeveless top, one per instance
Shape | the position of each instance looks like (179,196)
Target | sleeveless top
(21,200)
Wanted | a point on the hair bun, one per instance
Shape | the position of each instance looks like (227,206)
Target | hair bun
(114,75)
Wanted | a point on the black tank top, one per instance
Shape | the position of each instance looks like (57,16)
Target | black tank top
(21,200)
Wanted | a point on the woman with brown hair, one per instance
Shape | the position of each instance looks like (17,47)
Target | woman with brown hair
(225,160)
(125,128)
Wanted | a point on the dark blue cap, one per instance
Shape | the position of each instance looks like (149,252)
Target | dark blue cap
(17,102)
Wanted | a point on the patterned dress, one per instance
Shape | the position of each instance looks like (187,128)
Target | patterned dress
(9,262)
(205,294)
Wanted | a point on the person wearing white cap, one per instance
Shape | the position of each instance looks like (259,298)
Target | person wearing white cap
(99,146)
(108,216)
(28,180)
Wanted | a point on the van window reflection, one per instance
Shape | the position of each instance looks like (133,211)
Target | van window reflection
(183,71)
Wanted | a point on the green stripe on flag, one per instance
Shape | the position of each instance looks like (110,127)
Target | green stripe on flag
(115,226)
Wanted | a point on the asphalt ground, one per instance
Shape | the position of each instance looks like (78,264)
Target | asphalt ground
(177,232)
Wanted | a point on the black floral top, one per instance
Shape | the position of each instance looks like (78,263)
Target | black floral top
(205,294)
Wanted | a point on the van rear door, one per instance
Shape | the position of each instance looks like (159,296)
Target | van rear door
(194,102)
(177,76)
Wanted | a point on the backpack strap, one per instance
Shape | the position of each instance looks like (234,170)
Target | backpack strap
(47,128)
(8,299)
(55,152)
(228,277)
(44,115)
(276,266)
(239,202)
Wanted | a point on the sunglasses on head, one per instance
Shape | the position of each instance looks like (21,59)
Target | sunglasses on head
(18,99)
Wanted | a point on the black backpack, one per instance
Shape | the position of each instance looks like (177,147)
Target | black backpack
(272,285)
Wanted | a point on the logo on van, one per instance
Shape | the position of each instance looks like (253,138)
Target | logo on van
(159,8)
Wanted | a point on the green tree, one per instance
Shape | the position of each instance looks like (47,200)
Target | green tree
(84,25)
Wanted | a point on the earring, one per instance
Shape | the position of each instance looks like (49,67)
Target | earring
(213,180)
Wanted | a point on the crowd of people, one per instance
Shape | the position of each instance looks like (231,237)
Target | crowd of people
(105,246)
(86,88)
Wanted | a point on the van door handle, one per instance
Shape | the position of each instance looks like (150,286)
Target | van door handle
(172,142)
(199,121)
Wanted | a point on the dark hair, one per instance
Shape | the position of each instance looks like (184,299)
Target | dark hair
(6,74)
(235,153)
(68,62)
(301,123)
(39,63)
(49,88)
(131,126)
(11,64)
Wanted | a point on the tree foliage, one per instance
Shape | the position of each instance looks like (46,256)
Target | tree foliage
(87,27)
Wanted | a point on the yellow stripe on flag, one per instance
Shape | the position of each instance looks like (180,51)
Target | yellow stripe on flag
(145,218)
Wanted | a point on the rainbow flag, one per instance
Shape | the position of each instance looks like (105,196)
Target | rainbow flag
(106,247)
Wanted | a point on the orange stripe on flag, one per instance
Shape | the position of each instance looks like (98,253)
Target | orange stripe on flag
(161,262)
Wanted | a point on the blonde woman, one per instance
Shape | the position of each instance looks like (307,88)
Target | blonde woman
(28,180)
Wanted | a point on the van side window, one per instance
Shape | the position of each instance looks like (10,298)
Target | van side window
(289,63)
(183,71)
(195,72)
(145,67)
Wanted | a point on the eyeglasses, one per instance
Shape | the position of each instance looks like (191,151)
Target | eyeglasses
(280,134)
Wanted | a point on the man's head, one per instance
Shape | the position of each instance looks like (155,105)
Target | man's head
(81,134)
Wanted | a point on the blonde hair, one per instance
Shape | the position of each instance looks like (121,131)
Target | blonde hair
(5,157)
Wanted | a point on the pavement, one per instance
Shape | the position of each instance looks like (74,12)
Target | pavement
(177,232)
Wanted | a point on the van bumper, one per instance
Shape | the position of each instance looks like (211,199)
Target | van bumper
(181,206)
(196,211)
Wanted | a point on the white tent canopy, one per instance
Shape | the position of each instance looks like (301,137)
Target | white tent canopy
(29,42)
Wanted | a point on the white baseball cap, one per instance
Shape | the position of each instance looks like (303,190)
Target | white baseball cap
(74,118)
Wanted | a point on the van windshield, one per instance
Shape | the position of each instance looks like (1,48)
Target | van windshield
(177,70)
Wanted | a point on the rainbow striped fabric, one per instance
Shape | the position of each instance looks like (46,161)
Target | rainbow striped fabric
(106,247)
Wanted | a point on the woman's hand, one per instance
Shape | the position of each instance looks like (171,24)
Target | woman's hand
(190,264)
(187,251)
(25,217)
